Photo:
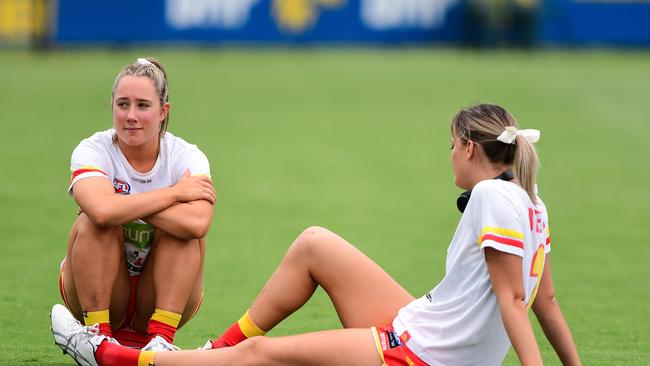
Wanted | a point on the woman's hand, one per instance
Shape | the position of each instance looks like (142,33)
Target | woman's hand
(193,188)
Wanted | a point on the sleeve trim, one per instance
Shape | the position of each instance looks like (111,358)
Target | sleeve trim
(503,236)
(84,170)
(502,240)
(503,232)
(503,248)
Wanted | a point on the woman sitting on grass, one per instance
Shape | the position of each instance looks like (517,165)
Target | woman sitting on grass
(134,262)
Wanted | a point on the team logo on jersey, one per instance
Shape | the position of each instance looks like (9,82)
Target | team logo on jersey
(121,186)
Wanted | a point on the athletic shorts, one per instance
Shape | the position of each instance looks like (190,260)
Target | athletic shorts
(392,348)
(124,333)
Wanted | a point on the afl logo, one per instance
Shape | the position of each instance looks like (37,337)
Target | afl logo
(121,186)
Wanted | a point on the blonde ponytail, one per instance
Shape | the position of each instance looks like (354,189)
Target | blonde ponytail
(525,166)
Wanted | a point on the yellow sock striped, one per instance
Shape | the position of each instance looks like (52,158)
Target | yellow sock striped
(248,326)
(166,317)
(96,317)
(146,358)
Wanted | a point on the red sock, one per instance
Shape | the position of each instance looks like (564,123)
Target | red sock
(230,337)
(244,328)
(105,329)
(111,354)
(164,324)
(166,331)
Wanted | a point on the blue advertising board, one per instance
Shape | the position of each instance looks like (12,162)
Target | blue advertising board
(609,22)
(620,22)
(259,21)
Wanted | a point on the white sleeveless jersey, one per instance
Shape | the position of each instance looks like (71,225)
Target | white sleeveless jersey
(99,156)
(459,322)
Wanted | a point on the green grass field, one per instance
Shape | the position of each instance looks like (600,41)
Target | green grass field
(354,140)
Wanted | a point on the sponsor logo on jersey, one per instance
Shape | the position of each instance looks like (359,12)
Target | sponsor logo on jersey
(135,257)
(134,261)
(393,339)
(428,295)
(140,235)
(121,186)
(141,181)
(404,337)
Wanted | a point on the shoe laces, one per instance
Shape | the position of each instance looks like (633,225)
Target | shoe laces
(158,343)
(79,332)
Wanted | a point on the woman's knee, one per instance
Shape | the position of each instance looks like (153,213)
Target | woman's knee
(84,228)
(254,350)
(164,237)
(311,241)
(86,236)
(167,244)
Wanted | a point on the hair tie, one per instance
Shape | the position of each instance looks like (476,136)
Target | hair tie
(509,135)
(144,61)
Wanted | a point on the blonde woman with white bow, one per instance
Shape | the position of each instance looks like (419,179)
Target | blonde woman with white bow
(134,263)
(498,267)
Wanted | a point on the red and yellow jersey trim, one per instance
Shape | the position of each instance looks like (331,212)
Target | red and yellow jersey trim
(84,170)
(503,236)
(380,349)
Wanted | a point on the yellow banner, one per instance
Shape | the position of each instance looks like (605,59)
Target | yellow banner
(22,20)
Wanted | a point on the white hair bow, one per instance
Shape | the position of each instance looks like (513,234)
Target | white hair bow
(144,61)
(509,135)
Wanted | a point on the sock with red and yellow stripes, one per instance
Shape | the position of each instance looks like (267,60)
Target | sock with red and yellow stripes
(243,329)
(101,318)
(164,324)
(111,354)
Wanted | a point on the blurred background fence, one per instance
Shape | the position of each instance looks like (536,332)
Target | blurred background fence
(479,23)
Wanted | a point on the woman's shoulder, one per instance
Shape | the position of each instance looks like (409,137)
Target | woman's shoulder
(177,145)
(491,186)
(100,138)
(172,140)
(496,189)
(499,191)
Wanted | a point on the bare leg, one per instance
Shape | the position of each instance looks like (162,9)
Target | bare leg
(172,279)
(363,294)
(94,274)
(335,347)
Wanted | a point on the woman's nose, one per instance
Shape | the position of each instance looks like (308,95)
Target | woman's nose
(130,114)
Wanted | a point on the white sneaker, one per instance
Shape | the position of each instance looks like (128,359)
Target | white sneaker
(79,341)
(207,346)
(159,344)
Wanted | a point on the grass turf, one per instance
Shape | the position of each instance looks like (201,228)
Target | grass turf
(354,140)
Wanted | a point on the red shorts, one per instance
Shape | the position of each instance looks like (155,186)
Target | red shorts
(124,333)
(391,348)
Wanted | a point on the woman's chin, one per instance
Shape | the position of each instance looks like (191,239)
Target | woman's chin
(461,185)
(131,141)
